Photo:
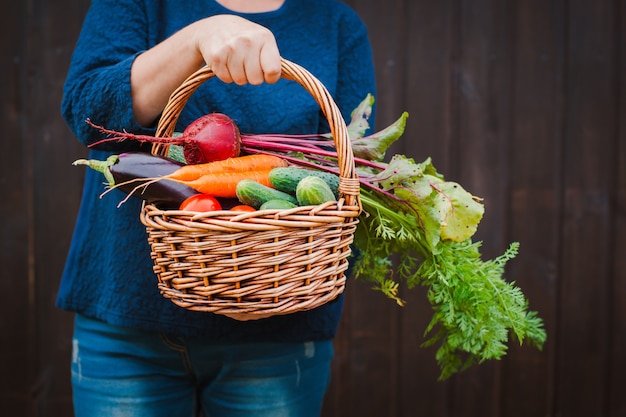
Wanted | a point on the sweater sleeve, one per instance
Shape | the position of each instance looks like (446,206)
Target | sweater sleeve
(98,82)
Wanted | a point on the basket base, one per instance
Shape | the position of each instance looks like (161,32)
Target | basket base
(253,271)
(281,306)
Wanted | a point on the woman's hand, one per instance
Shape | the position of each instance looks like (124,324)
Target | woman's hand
(238,50)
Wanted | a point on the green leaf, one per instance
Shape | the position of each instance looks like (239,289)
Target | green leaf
(359,118)
(427,212)
(399,169)
(445,209)
(374,146)
(459,211)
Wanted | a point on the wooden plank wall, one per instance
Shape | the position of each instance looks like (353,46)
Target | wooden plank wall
(524,103)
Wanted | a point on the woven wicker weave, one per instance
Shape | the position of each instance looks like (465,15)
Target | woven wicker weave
(261,263)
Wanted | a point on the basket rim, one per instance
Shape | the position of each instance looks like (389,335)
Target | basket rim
(230,221)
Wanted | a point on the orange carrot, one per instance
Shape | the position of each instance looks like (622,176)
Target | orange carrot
(256,162)
(224,184)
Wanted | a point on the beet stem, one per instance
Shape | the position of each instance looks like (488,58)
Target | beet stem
(120,136)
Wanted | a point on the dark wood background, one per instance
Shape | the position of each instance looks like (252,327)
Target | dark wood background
(521,102)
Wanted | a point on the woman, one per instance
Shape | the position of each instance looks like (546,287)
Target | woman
(136,353)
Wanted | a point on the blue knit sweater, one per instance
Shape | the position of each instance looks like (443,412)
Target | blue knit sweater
(108,273)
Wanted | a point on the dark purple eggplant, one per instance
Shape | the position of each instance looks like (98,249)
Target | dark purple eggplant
(118,169)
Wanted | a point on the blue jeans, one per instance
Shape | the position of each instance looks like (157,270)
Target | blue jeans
(123,372)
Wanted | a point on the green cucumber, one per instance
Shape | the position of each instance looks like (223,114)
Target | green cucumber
(277,204)
(287,178)
(313,191)
(253,193)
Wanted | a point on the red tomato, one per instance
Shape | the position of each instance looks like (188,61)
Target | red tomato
(243,207)
(200,202)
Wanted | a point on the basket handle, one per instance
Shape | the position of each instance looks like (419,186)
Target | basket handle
(348,180)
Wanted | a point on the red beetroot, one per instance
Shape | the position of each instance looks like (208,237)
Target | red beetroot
(212,137)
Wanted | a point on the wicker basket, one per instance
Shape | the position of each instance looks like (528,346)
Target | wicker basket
(267,262)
